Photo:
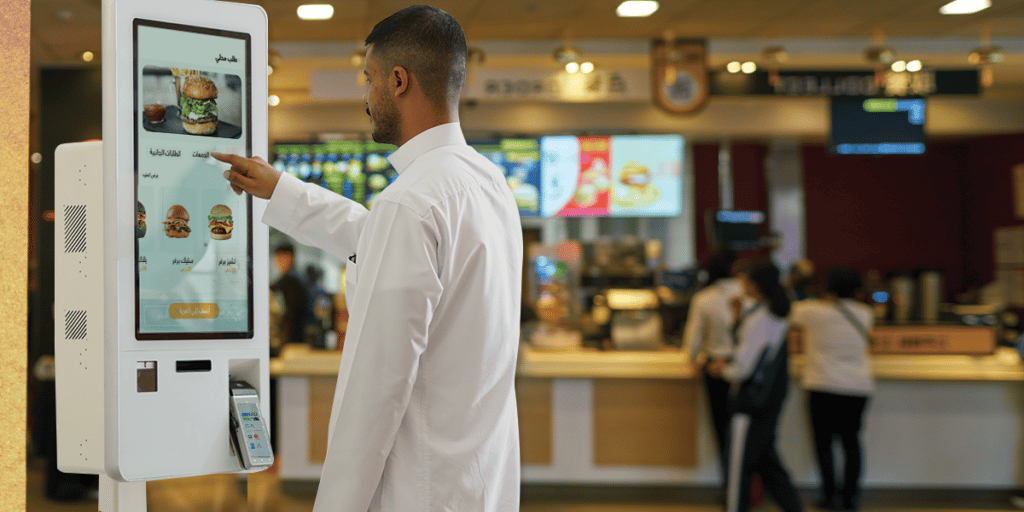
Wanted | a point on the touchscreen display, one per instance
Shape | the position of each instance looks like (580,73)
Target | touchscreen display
(193,234)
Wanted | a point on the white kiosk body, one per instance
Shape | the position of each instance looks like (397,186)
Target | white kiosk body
(162,280)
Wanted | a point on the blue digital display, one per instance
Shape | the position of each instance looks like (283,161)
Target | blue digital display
(877,126)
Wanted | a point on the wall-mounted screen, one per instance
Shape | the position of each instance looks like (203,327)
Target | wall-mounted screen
(617,176)
(519,160)
(877,126)
(738,230)
(193,234)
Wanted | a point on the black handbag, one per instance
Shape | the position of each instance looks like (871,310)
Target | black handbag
(770,376)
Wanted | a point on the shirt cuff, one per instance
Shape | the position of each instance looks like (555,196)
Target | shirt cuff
(281,205)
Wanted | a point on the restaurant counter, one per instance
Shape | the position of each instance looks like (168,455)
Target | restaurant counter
(590,416)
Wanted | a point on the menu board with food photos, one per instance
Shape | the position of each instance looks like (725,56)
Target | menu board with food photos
(519,160)
(616,176)
(599,176)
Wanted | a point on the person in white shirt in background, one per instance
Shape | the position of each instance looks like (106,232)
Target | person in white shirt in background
(707,338)
(839,379)
(424,415)
(759,375)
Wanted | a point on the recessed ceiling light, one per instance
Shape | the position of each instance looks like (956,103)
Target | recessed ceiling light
(914,66)
(572,67)
(748,67)
(636,8)
(273,100)
(965,6)
(734,67)
(316,11)
(587,67)
(899,66)
(87,56)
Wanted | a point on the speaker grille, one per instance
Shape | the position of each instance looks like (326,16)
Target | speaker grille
(74,228)
(74,325)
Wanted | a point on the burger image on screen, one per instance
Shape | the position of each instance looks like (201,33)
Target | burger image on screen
(140,220)
(220,222)
(176,225)
(199,105)
(635,188)
(636,175)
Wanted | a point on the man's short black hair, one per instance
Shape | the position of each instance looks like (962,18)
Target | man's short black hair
(430,44)
(843,282)
(720,265)
(286,247)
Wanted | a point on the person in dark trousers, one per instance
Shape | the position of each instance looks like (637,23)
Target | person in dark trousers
(296,301)
(759,377)
(839,379)
(706,337)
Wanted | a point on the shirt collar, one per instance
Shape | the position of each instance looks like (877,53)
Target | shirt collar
(442,135)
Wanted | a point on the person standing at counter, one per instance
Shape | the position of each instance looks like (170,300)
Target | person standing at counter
(424,414)
(838,377)
(759,377)
(706,337)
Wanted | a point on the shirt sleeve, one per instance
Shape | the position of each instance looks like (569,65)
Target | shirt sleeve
(396,293)
(695,331)
(315,216)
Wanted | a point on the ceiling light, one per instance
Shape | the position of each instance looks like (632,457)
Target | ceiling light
(316,11)
(87,56)
(748,67)
(572,67)
(636,8)
(914,66)
(273,100)
(965,6)
(587,67)
(270,70)
(733,67)
(899,66)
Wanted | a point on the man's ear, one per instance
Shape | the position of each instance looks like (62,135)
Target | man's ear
(399,80)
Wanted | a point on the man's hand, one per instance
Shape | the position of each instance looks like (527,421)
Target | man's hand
(252,175)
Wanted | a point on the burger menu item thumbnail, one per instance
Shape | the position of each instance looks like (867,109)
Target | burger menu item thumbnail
(191,102)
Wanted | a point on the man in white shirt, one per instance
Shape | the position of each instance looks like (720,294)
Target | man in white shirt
(424,415)
(707,337)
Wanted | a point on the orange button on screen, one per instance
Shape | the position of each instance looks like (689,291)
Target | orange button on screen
(193,310)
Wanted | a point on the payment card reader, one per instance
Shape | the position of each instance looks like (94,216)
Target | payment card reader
(249,430)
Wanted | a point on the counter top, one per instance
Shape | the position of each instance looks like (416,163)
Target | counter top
(1004,365)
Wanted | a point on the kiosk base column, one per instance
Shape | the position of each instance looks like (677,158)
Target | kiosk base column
(122,496)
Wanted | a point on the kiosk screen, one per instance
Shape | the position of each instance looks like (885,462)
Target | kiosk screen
(193,234)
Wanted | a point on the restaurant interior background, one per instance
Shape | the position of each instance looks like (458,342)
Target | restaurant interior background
(762,150)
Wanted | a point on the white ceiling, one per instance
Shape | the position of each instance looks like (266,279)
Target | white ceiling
(524,33)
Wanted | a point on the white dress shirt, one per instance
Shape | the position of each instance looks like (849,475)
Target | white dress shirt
(424,415)
(835,352)
(709,323)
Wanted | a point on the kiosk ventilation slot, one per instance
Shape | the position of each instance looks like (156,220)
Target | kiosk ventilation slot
(74,325)
(74,228)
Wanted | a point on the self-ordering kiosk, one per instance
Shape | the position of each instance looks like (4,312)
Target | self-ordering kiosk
(161,269)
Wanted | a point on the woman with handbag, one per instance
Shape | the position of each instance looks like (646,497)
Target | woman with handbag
(838,377)
(759,376)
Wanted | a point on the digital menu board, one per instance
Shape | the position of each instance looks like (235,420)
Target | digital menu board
(519,160)
(618,175)
(193,234)
(877,126)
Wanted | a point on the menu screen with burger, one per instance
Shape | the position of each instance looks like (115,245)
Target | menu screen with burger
(616,176)
(193,233)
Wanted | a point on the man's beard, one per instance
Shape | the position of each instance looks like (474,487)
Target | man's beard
(385,122)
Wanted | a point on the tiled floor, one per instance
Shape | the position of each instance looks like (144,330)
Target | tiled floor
(262,493)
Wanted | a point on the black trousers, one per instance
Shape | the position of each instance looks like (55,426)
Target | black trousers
(838,416)
(717,390)
(752,450)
